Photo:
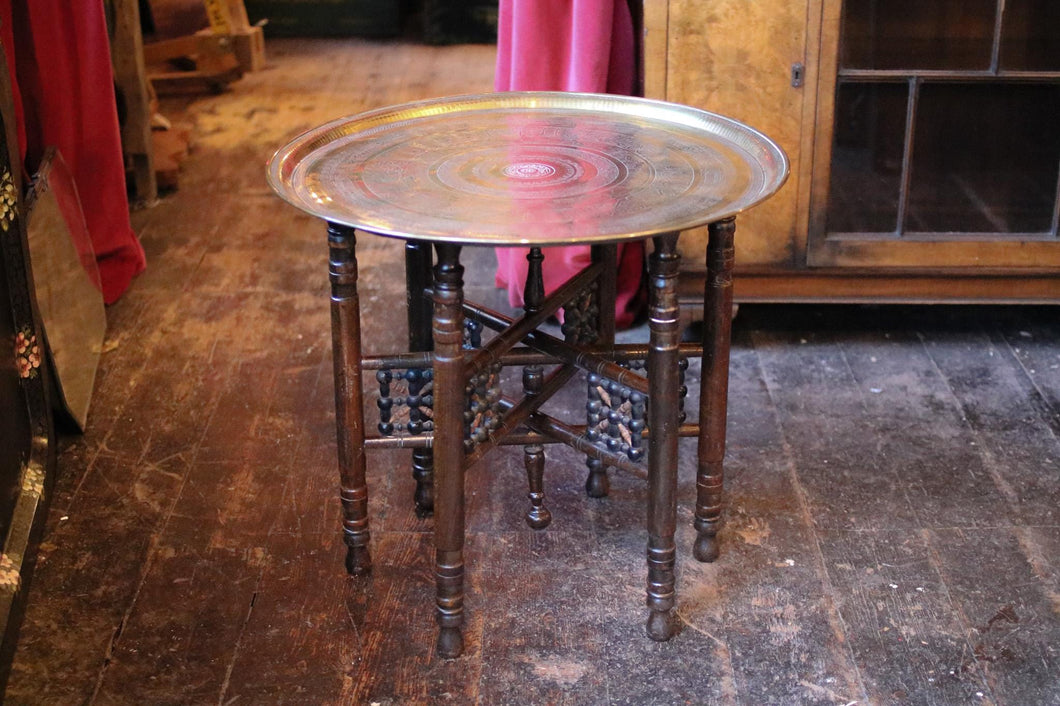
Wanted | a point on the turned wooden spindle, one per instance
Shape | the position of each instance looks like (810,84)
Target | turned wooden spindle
(449,381)
(538,516)
(417,280)
(714,388)
(349,412)
(663,421)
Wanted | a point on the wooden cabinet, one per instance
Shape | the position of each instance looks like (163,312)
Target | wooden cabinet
(923,137)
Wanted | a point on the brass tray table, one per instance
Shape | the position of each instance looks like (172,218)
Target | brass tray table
(533,170)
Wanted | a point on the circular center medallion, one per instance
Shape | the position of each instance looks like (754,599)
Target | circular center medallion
(529,170)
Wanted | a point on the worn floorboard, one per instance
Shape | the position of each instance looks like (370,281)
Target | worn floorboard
(893,475)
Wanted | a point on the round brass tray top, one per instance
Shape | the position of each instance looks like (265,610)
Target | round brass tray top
(536,168)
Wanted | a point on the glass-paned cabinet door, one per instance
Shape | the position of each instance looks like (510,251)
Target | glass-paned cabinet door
(938,140)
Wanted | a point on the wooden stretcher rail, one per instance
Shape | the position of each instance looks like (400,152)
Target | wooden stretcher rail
(526,356)
(521,327)
(561,350)
(516,413)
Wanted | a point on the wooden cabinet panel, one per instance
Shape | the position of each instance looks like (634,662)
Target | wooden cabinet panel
(932,156)
(942,231)
(735,58)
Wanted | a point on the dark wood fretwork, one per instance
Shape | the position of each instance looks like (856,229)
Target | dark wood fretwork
(27,428)
(449,404)
(526,325)
(663,419)
(714,387)
(349,412)
(597,484)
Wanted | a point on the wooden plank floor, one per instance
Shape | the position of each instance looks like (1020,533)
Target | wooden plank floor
(893,483)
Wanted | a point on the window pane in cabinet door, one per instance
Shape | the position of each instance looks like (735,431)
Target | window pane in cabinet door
(867,150)
(986,158)
(918,34)
(1030,37)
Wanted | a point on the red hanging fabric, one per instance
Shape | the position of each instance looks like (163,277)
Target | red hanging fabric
(7,40)
(59,56)
(567,45)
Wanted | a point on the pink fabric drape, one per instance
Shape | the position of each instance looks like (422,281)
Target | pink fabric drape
(59,57)
(567,45)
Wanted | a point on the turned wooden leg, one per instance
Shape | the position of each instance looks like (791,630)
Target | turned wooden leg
(449,402)
(597,484)
(663,421)
(538,516)
(714,388)
(349,412)
(417,279)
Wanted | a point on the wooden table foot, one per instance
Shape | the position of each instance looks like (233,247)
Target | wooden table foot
(661,625)
(597,484)
(450,643)
(538,517)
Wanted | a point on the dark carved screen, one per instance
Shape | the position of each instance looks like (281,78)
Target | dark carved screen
(27,449)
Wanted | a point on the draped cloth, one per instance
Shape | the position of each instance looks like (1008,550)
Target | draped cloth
(58,53)
(568,45)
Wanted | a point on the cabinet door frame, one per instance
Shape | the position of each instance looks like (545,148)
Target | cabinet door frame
(1024,252)
(755,63)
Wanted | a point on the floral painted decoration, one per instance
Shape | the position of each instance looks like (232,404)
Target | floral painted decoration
(10,576)
(27,353)
(7,200)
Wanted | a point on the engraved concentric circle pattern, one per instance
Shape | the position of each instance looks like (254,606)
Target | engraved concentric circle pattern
(529,170)
(521,174)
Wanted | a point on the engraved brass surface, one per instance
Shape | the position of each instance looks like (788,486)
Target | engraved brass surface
(529,168)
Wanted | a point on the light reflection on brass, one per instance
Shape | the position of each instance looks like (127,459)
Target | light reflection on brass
(529,168)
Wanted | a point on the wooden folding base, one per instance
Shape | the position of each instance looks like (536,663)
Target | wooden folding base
(436,298)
